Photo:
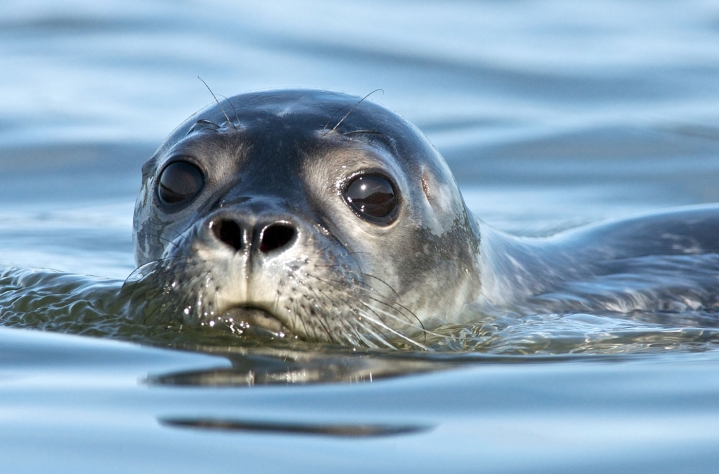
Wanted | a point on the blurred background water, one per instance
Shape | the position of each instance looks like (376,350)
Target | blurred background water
(550,113)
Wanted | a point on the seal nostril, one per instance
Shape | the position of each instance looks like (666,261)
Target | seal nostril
(276,236)
(228,232)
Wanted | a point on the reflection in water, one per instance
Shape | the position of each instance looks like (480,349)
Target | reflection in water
(340,431)
(322,364)
(271,366)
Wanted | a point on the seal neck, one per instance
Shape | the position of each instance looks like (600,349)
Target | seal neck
(514,268)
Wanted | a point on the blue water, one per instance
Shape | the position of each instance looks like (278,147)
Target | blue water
(551,114)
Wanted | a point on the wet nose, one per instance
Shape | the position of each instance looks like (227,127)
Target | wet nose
(276,236)
(265,237)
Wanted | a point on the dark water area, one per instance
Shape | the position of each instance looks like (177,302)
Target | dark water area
(551,115)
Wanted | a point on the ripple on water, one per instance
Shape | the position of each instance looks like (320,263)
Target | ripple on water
(74,304)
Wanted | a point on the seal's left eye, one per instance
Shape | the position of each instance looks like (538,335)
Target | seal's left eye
(372,198)
(179,181)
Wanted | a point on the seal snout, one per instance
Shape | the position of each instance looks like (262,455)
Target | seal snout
(264,236)
(276,237)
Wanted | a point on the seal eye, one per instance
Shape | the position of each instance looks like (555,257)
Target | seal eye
(179,182)
(371,197)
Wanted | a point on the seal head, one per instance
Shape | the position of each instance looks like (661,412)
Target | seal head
(309,212)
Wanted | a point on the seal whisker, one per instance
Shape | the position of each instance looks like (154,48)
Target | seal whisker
(218,104)
(369,132)
(322,319)
(353,337)
(237,117)
(361,334)
(331,117)
(404,308)
(277,297)
(345,332)
(363,274)
(168,241)
(354,107)
(344,322)
(377,315)
(299,314)
(304,325)
(424,332)
(383,282)
(314,292)
(169,289)
(127,282)
(371,308)
(397,333)
(137,285)
(404,321)
(368,329)
(421,326)
(178,234)
(345,252)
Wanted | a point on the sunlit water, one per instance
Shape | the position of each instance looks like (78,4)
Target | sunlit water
(551,114)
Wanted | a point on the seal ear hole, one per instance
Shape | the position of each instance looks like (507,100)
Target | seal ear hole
(228,232)
(372,197)
(179,182)
(276,236)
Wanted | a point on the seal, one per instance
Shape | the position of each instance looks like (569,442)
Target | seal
(330,217)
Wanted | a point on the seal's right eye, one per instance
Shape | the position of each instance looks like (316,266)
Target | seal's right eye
(180,181)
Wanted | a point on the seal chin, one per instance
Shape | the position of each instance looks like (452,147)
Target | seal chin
(256,321)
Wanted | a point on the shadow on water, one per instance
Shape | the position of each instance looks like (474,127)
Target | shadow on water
(339,431)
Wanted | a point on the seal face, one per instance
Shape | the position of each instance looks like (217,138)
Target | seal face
(318,214)
(301,211)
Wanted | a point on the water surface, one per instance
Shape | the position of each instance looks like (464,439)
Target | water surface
(551,114)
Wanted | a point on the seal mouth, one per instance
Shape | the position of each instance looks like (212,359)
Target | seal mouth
(256,321)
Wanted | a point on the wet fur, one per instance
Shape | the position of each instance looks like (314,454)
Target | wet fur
(351,283)
(345,281)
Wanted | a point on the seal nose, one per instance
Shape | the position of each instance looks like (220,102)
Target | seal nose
(265,237)
(229,232)
(276,236)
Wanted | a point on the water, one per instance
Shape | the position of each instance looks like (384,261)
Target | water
(551,114)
